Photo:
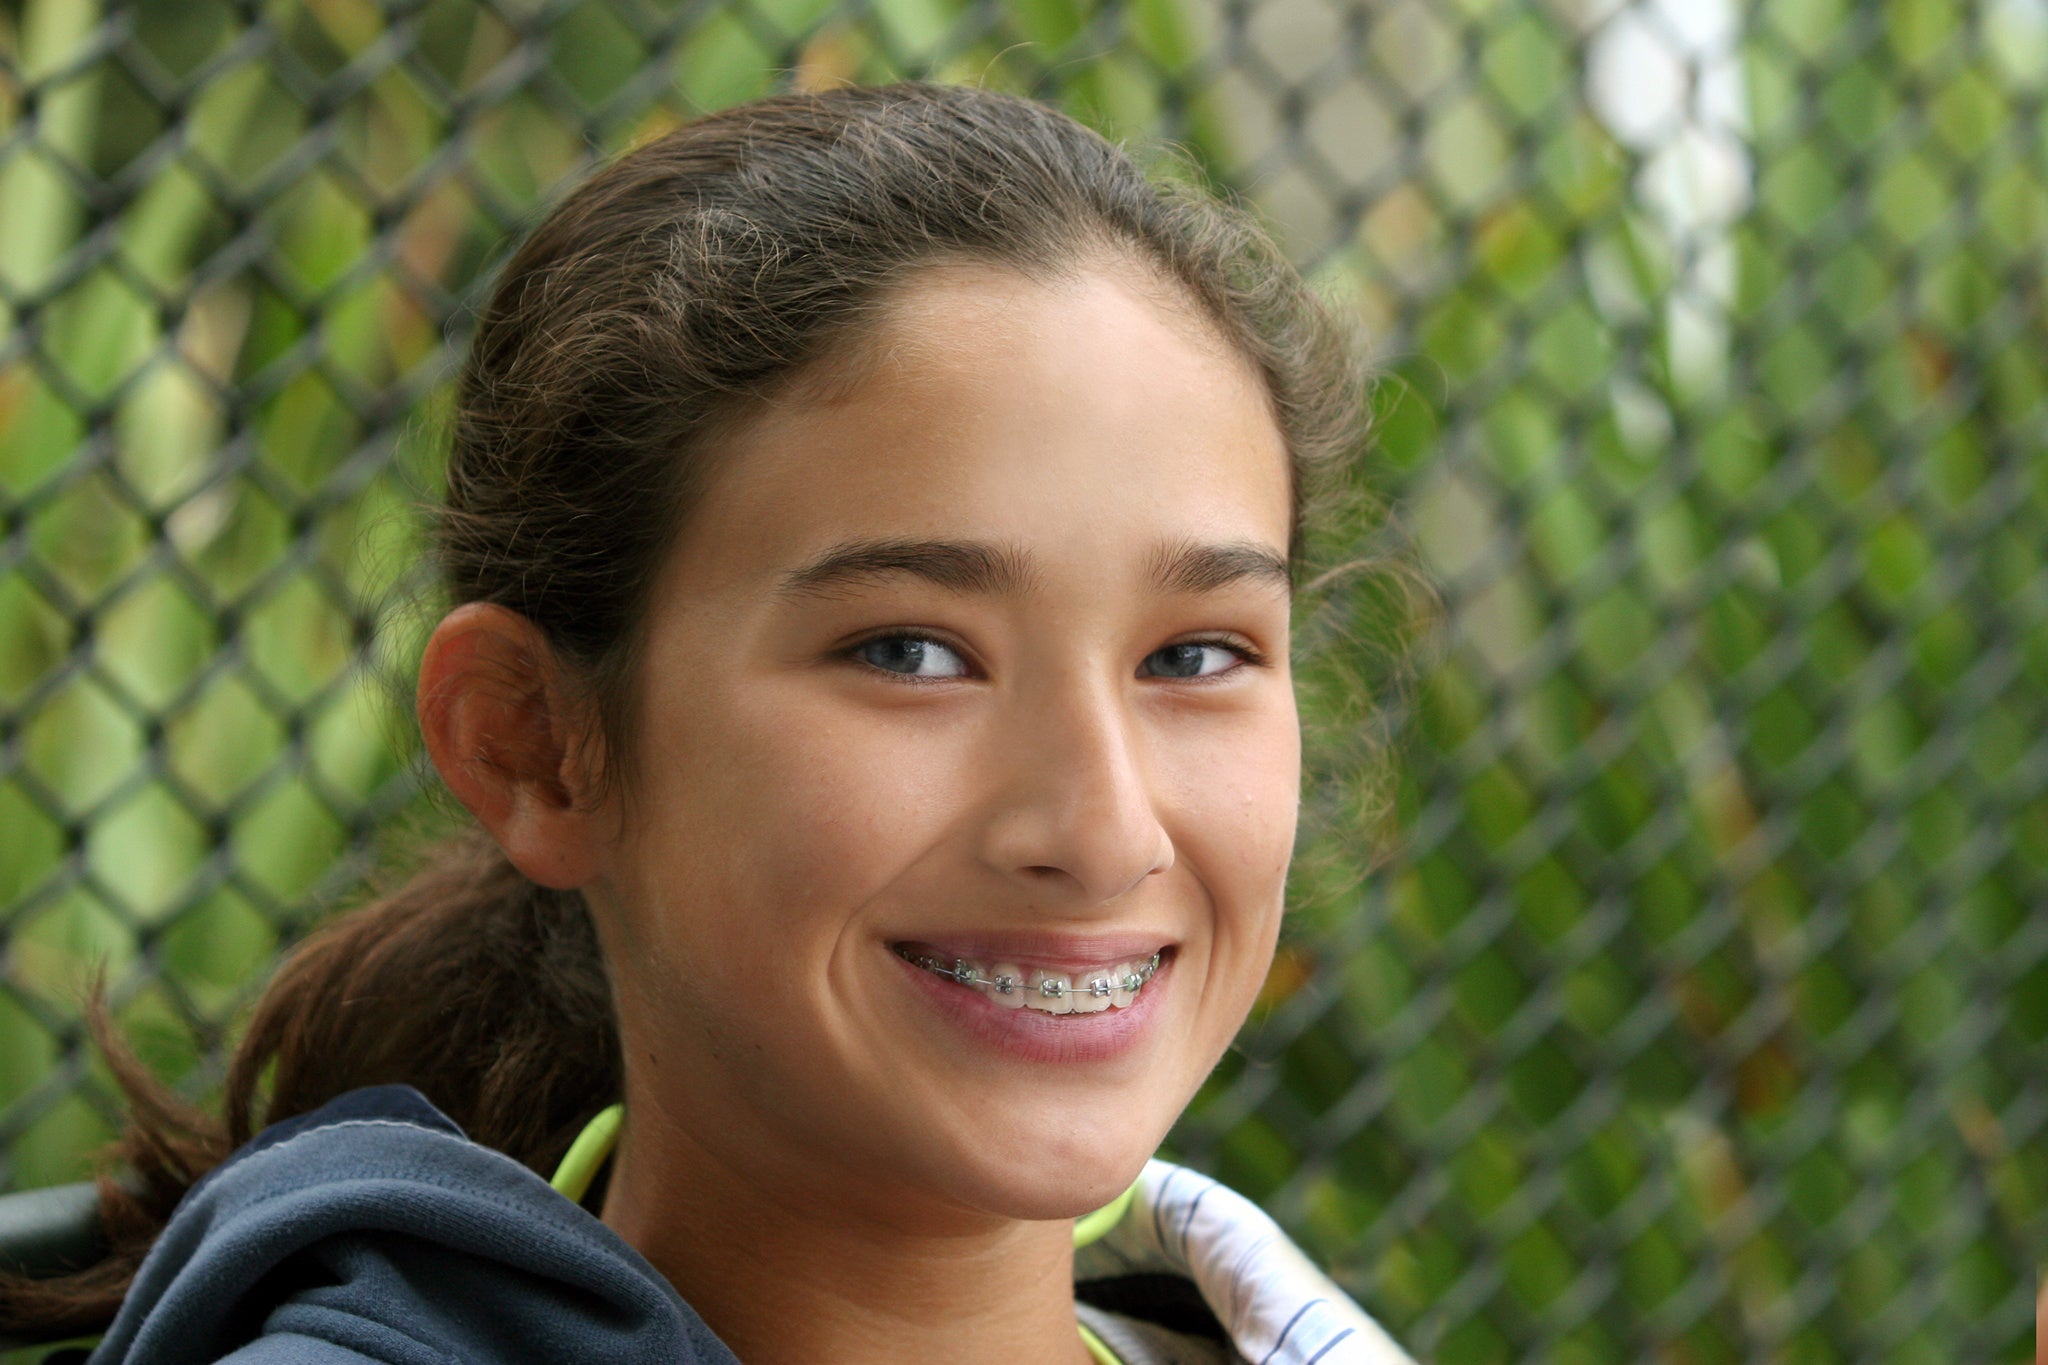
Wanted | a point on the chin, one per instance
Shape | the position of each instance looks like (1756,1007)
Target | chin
(1037,1173)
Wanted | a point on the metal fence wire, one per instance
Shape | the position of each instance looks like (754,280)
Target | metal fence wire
(1697,1014)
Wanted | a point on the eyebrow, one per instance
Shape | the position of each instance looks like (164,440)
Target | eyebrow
(979,568)
(1192,567)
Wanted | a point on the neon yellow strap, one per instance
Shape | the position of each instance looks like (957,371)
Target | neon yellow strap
(593,1147)
(1090,1227)
(588,1152)
(1097,1347)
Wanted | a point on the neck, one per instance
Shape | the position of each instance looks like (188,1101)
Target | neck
(785,1270)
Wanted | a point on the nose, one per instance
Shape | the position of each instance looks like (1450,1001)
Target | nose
(1074,807)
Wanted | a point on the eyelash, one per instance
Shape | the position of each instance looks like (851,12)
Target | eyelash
(1246,654)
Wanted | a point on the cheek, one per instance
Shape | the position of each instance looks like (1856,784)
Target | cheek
(1242,798)
(1239,841)
(771,828)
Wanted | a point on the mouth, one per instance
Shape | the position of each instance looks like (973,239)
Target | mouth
(1090,989)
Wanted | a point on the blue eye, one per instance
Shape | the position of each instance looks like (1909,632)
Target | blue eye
(911,656)
(1194,659)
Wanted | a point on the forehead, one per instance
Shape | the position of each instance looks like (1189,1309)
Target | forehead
(1060,415)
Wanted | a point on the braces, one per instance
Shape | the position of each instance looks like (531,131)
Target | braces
(960,971)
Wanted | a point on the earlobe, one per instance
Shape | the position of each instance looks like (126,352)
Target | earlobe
(511,742)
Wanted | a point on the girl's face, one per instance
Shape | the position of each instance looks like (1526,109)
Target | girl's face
(976,652)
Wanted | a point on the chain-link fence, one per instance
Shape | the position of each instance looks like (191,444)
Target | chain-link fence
(1699,1012)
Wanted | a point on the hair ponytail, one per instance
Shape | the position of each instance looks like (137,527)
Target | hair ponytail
(470,983)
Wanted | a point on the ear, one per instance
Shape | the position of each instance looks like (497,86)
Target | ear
(513,743)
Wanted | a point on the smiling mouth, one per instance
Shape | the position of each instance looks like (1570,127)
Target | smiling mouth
(1009,986)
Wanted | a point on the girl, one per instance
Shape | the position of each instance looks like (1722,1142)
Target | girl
(871,522)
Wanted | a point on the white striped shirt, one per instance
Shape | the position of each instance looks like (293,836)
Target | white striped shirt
(1277,1307)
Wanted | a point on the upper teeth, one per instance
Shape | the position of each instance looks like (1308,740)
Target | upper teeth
(1051,992)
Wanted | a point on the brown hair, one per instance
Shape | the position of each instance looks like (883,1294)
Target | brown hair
(665,298)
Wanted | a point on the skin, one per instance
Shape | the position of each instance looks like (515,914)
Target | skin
(827,1167)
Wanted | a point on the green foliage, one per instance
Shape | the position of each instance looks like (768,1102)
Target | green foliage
(1690,1016)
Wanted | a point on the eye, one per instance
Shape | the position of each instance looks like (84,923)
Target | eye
(1197,659)
(911,656)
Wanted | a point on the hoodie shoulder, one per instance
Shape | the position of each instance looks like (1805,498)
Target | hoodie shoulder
(373,1230)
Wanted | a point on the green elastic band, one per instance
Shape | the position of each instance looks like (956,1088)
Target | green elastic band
(588,1152)
(593,1147)
(1090,1227)
(594,1144)
(1097,1347)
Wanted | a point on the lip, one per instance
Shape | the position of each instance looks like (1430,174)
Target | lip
(1031,1035)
